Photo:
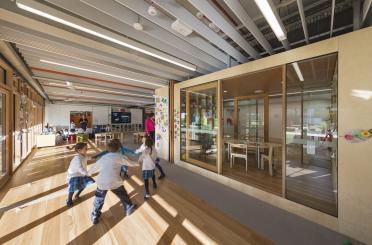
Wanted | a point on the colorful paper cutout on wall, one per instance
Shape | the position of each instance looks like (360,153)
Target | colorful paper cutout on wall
(161,119)
(177,123)
(358,135)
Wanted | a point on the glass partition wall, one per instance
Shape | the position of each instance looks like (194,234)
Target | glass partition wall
(252,123)
(285,145)
(311,133)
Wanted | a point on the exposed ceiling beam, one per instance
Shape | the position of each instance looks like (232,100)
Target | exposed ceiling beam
(40,45)
(89,87)
(292,14)
(213,15)
(315,37)
(179,12)
(127,16)
(11,55)
(164,21)
(87,78)
(303,20)
(356,14)
(366,7)
(39,28)
(121,21)
(332,17)
(100,33)
(37,58)
(247,21)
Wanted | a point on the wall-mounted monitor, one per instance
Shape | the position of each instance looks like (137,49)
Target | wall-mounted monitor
(120,117)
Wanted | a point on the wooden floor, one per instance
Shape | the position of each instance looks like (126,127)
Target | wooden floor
(255,177)
(33,211)
(308,185)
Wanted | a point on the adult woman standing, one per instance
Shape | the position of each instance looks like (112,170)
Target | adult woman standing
(150,126)
(150,131)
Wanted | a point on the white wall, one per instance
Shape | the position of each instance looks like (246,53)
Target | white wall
(59,114)
(136,115)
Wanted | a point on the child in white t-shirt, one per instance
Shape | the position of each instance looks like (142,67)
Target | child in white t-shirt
(77,172)
(148,158)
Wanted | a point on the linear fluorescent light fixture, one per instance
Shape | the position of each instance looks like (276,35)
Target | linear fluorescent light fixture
(100,90)
(110,91)
(97,34)
(99,72)
(298,71)
(95,97)
(268,12)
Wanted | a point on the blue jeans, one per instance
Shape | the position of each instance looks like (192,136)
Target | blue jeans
(99,200)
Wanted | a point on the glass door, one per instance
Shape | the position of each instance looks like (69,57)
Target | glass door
(3,136)
(199,125)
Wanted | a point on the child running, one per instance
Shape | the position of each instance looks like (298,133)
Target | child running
(77,173)
(108,178)
(124,151)
(148,158)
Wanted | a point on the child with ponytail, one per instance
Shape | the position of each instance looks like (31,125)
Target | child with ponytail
(77,172)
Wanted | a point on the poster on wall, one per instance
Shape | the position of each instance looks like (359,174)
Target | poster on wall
(161,126)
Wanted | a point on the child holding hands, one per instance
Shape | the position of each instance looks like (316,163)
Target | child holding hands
(77,172)
(109,167)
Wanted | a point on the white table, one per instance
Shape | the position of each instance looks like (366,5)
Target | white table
(45,140)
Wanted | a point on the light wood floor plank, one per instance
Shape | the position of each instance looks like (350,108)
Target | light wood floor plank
(171,216)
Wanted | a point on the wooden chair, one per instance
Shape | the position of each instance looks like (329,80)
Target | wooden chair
(269,158)
(243,153)
(135,138)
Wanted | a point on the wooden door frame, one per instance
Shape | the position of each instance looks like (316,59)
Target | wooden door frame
(8,137)
(284,128)
(211,85)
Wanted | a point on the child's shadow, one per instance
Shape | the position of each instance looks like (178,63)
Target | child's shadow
(108,220)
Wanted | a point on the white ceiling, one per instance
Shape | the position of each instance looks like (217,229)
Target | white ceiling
(102,71)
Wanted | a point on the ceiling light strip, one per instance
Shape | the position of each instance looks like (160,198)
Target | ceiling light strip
(43,70)
(97,34)
(95,97)
(269,12)
(83,88)
(99,72)
(298,71)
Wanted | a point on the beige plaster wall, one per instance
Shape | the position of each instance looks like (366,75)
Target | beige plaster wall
(355,159)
